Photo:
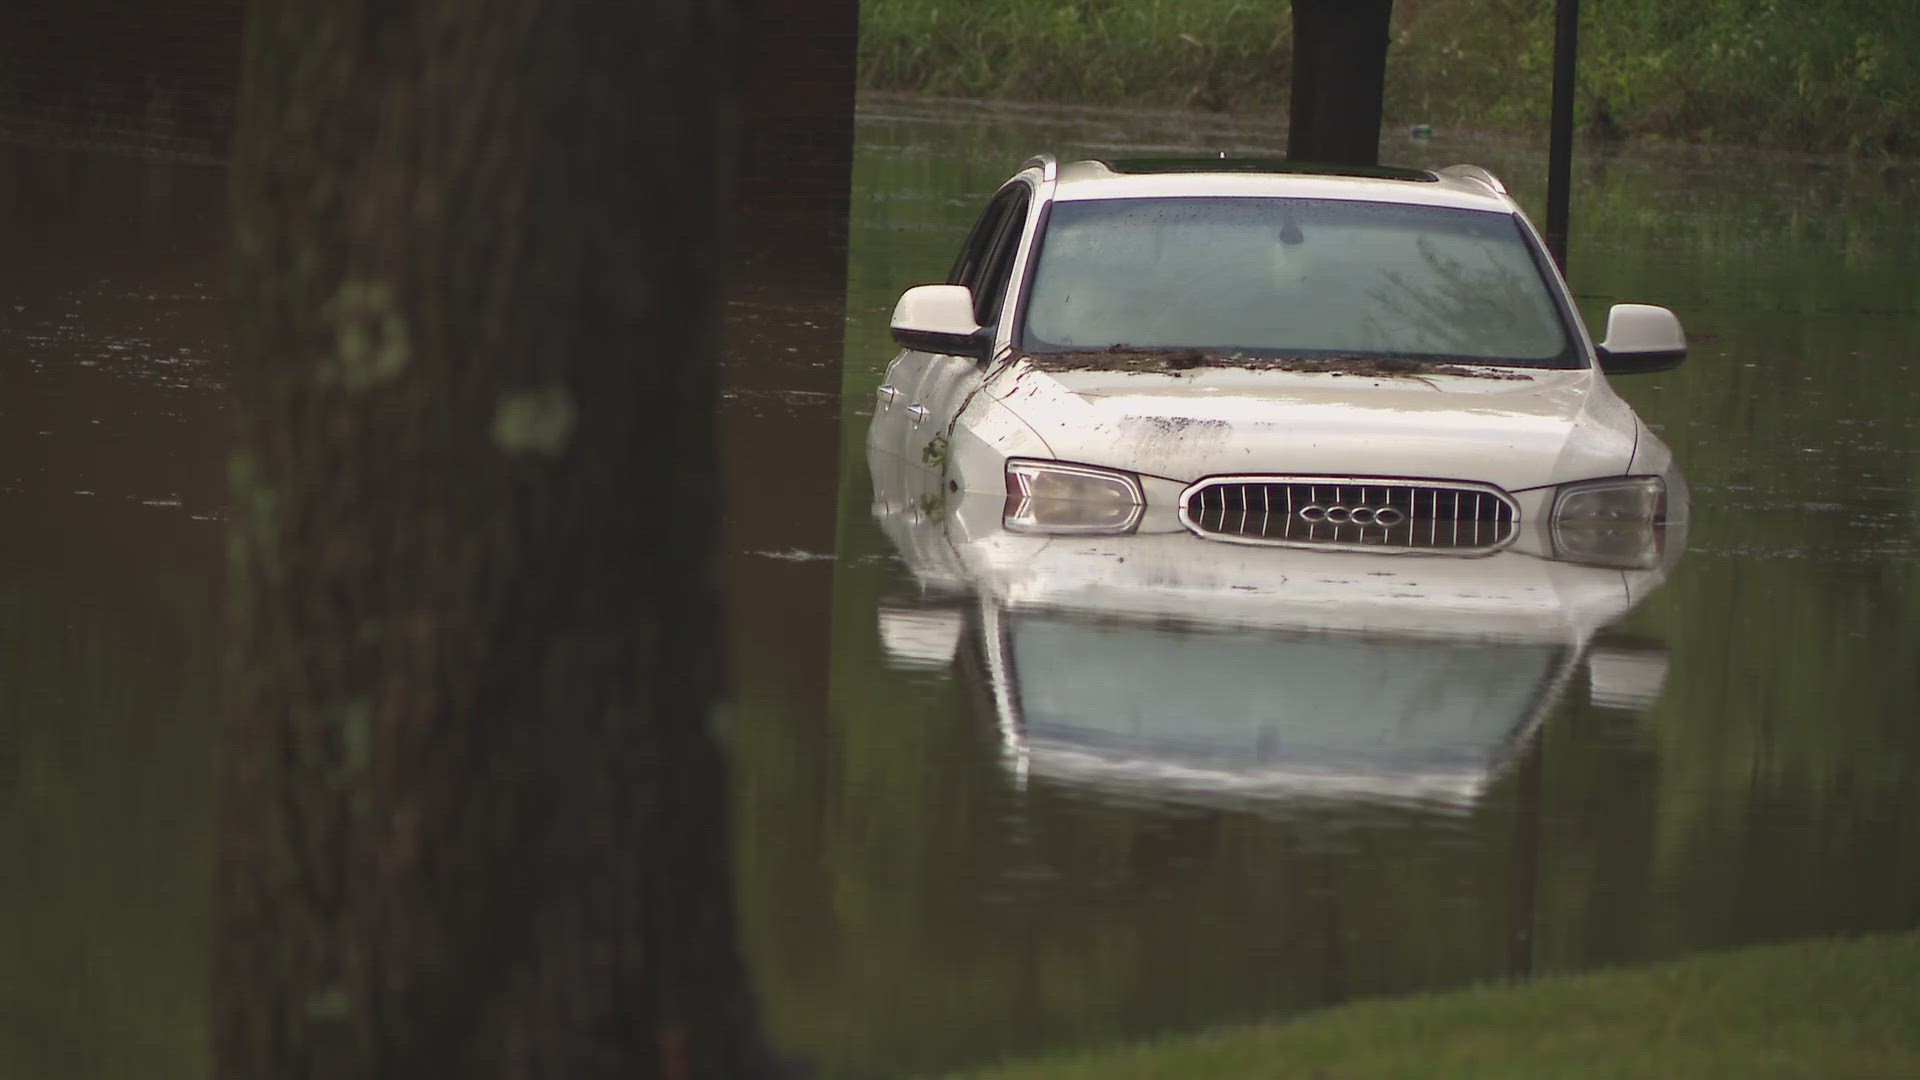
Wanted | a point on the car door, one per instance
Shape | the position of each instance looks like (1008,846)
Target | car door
(948,381)
(898,414)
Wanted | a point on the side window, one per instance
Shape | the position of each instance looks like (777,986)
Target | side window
(991,293)
(986,259)
(973,253)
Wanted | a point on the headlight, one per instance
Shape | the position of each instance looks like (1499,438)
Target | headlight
(1051,497)
(1617,523)
(1626,500)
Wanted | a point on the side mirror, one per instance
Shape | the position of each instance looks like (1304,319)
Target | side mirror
(939,319)
(1641,338)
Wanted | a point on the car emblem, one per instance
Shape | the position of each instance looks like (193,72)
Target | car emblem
(1340,514)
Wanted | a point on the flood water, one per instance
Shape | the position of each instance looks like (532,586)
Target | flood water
(942,859)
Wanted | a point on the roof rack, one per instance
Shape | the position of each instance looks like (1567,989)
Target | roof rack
(1048,164)
(1264,165)
(1476,174)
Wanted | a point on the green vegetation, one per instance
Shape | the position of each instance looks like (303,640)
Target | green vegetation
(1202,52)
(107,821)
(1827,74)
(1846,1008)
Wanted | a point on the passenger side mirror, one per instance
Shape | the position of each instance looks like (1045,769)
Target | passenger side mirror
(1641,338)
(939,319)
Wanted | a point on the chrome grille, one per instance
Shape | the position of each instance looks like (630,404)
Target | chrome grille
(1351,512)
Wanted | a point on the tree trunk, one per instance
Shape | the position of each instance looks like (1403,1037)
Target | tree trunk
(1339,78)
(476,821)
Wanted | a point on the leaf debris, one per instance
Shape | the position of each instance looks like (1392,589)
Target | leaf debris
(1126,358)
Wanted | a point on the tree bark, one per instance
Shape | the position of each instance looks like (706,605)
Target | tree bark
(476,822)
(1339,80)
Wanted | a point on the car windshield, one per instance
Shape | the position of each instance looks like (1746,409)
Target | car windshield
(1293,277)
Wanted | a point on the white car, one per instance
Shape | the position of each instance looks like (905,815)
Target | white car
(1378,358)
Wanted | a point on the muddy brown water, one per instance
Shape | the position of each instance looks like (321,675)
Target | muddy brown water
(940,861)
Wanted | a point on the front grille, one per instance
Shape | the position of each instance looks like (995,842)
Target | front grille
(1351,512)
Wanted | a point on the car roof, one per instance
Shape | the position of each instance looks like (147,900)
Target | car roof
(1464,186)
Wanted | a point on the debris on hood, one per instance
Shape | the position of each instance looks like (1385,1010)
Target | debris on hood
(1176,361)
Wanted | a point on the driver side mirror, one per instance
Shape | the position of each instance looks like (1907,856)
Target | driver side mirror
(939,319)
(1641,338)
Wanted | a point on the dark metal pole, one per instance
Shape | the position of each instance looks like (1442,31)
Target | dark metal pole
(1566,34)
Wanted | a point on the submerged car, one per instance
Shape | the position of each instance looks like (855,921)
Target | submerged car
(1172,668)
(1253,352)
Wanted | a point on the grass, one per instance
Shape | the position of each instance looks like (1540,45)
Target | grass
(1801,74)
(1837,1008)
(1158,51)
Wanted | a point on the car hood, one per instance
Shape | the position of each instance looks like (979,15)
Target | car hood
(1514,428)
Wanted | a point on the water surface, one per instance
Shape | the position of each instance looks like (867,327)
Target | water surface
(924,892)
(1724,757)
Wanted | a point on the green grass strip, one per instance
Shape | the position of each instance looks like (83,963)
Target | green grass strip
(1825,1008)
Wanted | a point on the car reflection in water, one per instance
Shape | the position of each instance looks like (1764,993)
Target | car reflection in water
(1165,665)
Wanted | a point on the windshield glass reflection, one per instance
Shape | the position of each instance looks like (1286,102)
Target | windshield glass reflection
(1193,707)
